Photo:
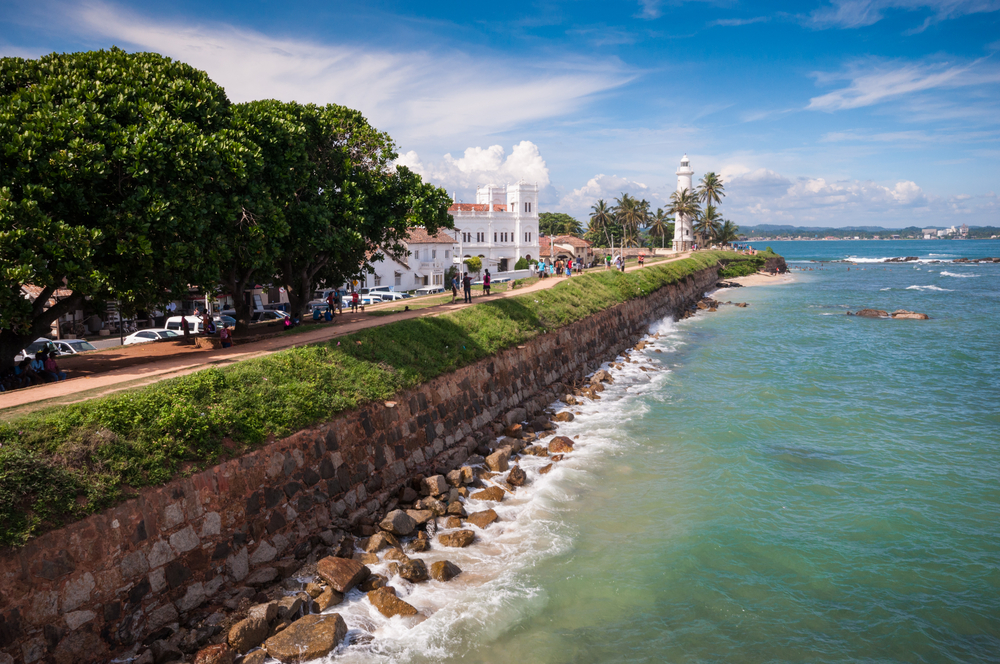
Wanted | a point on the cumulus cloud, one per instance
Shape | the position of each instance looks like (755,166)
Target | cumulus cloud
(609,187)
(480,166)
(415,95)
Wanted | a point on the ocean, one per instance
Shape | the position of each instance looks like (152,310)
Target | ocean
(785,483)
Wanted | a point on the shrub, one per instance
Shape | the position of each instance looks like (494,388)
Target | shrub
(521,264)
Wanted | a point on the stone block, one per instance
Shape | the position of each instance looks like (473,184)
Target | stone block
(76,618)
(77,592)
(309,638)
(341,573)
(434,486)
(264,553)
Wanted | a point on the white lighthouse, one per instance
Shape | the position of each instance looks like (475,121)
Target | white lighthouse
(684,224)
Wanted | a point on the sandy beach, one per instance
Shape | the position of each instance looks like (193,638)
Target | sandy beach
(762,279)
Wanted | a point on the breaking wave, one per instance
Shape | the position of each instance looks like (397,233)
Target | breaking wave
(929,288)
(945,273)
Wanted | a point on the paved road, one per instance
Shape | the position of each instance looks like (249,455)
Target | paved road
(82,389)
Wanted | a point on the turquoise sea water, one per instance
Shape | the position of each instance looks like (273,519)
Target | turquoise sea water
(794,485)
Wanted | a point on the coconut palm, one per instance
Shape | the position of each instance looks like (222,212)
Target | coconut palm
(711,189)
(600,221)
(684,204)
(708,224)
(727,233)
(659,223)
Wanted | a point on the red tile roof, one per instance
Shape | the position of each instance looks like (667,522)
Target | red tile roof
(418,235)
(476,207)
(571,240)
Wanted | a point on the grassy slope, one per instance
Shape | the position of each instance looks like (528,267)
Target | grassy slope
(66,462)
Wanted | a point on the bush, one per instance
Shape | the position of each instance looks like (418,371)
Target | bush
(521,264)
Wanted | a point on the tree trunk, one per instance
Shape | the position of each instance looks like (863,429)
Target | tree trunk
(237,285)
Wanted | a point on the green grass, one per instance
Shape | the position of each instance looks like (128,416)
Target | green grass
(62,463)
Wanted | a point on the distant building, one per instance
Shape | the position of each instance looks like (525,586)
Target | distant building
(500,227)
(564,247)
(929,233)
(964,230)
(429,258)
(684,225)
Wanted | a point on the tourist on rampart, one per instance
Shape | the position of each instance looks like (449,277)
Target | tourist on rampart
(467,287)
(486,282)
(454,287)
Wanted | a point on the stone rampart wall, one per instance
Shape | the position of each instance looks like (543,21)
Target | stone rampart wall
(90,589)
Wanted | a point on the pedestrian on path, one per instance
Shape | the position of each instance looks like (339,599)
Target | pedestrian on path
(642,259)
(454,287)
(355,299)
(486,282)
(467,287)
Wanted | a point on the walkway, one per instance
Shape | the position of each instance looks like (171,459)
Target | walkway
(88,387)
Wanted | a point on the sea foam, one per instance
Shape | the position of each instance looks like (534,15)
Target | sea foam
(929,288)
(945,273)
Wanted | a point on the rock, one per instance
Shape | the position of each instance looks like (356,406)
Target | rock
(399,523)
(262,577)
(247,634)
(289,606)
(513,430)
(497,462)
(268,611)
(164,652)
(639,346)
(560,445)
(912,315)
(544,470)
(541,423)
(408,495)
(742,305)
(366,558)
(341,573)
(380,541)
(517,476)
(872,313)
(454,477)
(433,504)
(256,657)
(309,638)
(385,600)
(455,508)
(329,597)
(602,376)
(444,570)
(397,555)
(482,519)
(414,570)
(419,546)
(536,450)
(570,400)
(373,582)
(453,522)
(459,538)
(420,516)
(219,654)
(314,589)
(493,493)
(434,486)
(556,458)
(468,475)
(564,416)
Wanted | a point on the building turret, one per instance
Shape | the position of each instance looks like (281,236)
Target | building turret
(684,224)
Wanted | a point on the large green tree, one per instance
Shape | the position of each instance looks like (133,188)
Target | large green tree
(727,233)
(707,224)
(354,207)
(684,204)
(711,190)
(559,223)
(660,225)
(602,229)
(115,171)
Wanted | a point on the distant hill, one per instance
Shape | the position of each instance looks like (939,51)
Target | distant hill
(772,230)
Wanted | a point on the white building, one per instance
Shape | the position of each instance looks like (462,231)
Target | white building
(429,257)
(500,227)
(684,224)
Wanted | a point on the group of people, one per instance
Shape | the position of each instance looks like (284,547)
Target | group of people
(42,368)
(560,267)
(465,283)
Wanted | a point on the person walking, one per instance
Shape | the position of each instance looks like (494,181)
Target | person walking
(486,282)
(355,300)
(454,287)
(642,259)
(467,287)
(330,299)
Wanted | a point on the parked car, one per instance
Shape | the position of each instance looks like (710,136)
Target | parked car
(38,344)
(429,290)
(70,346)
(268,316)
(152,334)
(223,319)
(392,296)
(174,324)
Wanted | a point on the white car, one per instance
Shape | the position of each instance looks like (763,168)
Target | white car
(430,290)
(152,334)
(392,296)
(194,324)
(268,316)
(70,346)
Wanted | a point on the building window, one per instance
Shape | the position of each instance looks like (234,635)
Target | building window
(399,279)
(438,279)
(378,280)
(434,253)
(416,254)
(527,207)
(447,254)
(494,237)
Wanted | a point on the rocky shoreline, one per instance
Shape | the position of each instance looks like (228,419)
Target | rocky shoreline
(281,612)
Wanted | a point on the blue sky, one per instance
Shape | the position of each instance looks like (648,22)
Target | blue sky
(834,112)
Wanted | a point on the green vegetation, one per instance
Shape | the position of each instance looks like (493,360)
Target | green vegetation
(749,265)
(558,223)
(521,264)
(66,462)
(474,263)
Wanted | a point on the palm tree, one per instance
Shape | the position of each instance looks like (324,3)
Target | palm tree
(683,204)
(658,225)
(728,232)
(600,220)
(708,224)
(711,189)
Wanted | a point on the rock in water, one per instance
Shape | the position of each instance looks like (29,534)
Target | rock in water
(912,315)
(218,654)
(379,541)
(329,597)
(373,582)
(517,476)
(385,600)
(872,313)
(482,519)
(398,523)
(414,570)
(493,493)
(247,634)
(342,573)
(497,462)
(308,638)
(457,539)
(435,486)
(564,416)
(560,445)
(444,570)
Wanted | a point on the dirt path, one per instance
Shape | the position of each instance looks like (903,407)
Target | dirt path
(133,366)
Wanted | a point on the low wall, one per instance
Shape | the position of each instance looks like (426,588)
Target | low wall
(94,587)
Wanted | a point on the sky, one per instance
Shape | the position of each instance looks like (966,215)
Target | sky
(814,112)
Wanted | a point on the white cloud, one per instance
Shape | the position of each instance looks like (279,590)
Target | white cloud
(609,187)
(734,22)
(480,166)
(414,95)
(860,13)
(873,83)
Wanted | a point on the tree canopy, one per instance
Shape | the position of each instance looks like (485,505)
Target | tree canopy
(559,223)
(132,177)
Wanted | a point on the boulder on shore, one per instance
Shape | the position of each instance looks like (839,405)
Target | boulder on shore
(912,315)
(870,313)
(560,445)
(398,523)
(415,570)
(342,573)
(497,462)
(564,416)
(457,539)
(517,476)
(445,570)
(248,633)
(493,493)
(385,600)
(482,519)
(308,638)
